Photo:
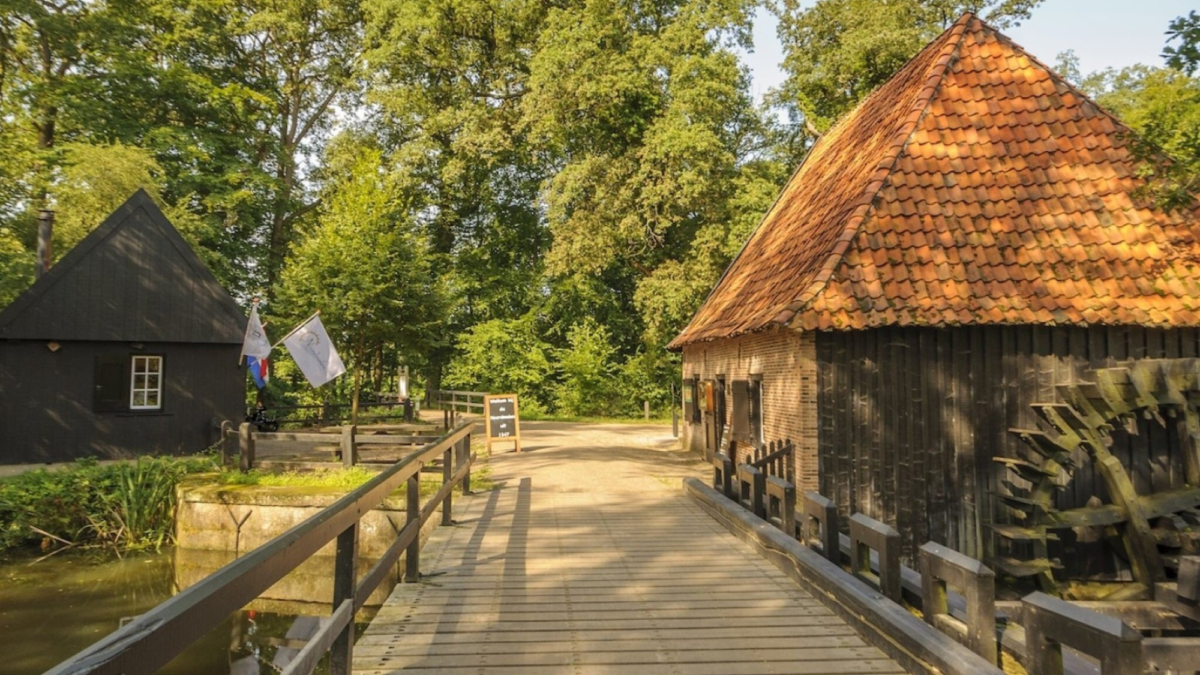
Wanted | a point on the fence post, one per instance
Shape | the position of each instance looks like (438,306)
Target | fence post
(646,407)
(674,422)
(349,447)
(325,414)
(412,557)
(447,476)
(228,433)
(246,446)
(341,653)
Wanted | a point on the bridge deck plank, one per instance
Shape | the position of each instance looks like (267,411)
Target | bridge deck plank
(544,577)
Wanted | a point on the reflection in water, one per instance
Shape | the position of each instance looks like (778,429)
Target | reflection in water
(57,607)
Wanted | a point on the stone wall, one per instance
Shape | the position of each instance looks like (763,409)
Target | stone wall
(218,523)
(786,360)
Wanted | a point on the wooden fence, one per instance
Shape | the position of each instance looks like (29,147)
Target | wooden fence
(151,640)
(328,414)
(1034,631)
(343,443)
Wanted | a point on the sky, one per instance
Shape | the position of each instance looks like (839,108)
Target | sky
(1103,33)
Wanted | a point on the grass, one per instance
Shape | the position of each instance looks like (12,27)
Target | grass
(339,478)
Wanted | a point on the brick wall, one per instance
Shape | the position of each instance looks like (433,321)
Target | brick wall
(787,361)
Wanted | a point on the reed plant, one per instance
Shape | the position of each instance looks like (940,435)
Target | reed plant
(123,506)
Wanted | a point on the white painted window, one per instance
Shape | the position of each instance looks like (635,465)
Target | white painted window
(145,383)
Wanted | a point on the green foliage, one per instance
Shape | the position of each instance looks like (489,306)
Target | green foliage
(589,385)
(838,51)
(16,266)
(1162,107)
(1184,56)
(504,356)
(364,264)
(95,180)
(122,506)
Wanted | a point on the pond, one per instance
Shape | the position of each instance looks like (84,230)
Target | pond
(52,609)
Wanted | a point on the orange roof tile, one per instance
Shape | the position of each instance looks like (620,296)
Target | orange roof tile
(982,181)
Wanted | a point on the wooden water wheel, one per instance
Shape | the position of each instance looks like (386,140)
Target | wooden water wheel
(1079,429)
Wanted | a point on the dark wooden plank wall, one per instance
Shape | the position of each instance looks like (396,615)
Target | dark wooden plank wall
(910,419)
(46,402)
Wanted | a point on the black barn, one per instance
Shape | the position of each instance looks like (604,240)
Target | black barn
(127,346)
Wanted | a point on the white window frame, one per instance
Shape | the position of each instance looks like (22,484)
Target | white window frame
(140,365)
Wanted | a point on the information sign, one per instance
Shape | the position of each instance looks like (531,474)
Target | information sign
(502,419)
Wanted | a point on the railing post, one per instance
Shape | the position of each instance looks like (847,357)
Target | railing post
(865,534)
(941,566)
(447,476)
(341,653)
(325,413)
(1051,623)
(246,446)
(228,434)
(412,557)
(823,512)
(349,447)
(466,457)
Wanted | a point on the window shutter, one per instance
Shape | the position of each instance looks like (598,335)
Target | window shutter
(110,383)
(741,410)
(756,411)
(694,384)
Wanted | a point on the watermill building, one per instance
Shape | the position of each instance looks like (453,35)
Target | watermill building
(957,259)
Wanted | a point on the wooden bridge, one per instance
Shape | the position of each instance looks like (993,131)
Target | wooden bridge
(588,558)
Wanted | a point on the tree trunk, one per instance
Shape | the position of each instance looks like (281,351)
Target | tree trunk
(358,366)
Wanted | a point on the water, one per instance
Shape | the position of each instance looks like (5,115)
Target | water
(52,609)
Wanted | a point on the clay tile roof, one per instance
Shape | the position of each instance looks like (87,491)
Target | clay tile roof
(975,163)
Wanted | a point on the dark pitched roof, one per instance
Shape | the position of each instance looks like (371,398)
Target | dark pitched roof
(133,279)
(974,187)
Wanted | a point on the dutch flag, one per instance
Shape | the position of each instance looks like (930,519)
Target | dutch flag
(260,370)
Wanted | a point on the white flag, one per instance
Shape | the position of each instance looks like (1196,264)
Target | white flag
(255,343)
(311,349)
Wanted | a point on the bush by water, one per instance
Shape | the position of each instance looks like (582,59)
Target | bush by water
(123,506)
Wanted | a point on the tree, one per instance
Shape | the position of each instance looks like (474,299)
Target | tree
(448,77)
(1162,107)
(838,51)
(503,355)
(648,111)
(364,265)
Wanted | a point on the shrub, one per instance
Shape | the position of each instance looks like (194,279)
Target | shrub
(503,356)
(589,384)
(125,506)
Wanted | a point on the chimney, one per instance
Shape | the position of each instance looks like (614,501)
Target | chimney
(44,240)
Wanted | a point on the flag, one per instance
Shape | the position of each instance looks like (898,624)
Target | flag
(260,370)
(312,351)
(255,343)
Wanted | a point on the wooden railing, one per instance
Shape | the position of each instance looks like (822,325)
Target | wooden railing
(344,442)
(150,641)
(453,402)
(1035,631)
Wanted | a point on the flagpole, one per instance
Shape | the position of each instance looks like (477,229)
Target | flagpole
(302,324)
